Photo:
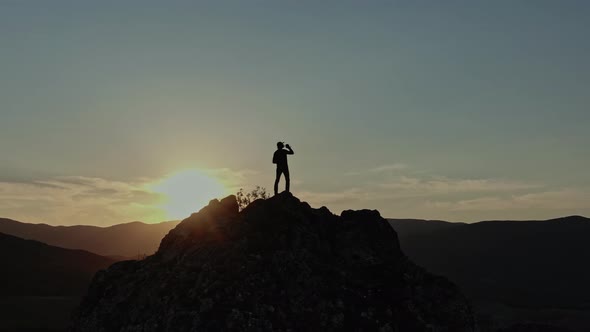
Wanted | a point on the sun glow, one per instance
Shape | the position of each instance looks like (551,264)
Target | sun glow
(188,191)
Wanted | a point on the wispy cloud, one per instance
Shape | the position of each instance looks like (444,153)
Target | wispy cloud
(557,200)
(335,197)
(387,168)
(442,185)
(68,200)
(379,169)
(440,197)
(78,200)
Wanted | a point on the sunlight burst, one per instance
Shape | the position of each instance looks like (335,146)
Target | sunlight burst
(188,191)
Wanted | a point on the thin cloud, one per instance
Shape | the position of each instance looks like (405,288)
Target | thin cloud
(379,169)
(431,196)
(69,200)
(562,199)
(78,200)
(323,198)
(442,185)
(387,168)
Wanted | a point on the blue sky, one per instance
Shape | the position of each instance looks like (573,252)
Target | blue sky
(459,110)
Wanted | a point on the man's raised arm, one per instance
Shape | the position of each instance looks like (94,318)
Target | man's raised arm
(290,149)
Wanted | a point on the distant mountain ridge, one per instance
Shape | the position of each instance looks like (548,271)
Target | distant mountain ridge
(405,227)
(123,240)
(32,268)
(408,227)
(530,265)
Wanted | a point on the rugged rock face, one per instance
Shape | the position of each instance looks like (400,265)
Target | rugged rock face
(279,265)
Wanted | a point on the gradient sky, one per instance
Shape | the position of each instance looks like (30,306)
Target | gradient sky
(457,110)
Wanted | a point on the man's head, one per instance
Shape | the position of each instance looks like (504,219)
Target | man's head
(280,145)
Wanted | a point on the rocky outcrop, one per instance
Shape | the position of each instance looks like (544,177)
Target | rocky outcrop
(278,265)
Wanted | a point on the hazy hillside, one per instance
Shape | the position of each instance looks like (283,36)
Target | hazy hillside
(530,265)
(127,240)
(32,268)
(407,227)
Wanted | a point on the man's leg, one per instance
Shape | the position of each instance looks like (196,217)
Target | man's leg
(287,179)
(278,177)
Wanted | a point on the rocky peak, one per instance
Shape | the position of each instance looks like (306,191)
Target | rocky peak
(277,265)
(199,226)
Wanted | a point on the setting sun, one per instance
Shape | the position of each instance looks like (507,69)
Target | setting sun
(188,191)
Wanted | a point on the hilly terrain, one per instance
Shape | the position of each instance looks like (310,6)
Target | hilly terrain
(35,268)
(129,240)
(407,227)
(537,270)
(41,284)
(278,265)
(532,273)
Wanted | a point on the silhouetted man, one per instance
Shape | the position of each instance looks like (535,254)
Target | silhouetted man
(280,158)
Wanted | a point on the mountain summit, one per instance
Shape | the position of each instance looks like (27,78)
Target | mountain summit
(278,265)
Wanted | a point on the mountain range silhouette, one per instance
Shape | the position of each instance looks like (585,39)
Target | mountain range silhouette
(513,271)
(519,275)
(122,241)
(507,261)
